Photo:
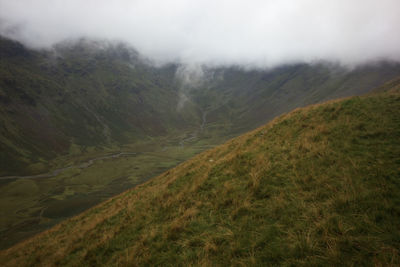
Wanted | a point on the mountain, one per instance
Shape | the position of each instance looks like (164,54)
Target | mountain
(316,186)
(87,120)
(80,95)
(245,99)
(94,94)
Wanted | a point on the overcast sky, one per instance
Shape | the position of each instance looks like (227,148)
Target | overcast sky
(260,32)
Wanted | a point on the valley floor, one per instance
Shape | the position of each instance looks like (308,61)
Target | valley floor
(32,203)
(318,186)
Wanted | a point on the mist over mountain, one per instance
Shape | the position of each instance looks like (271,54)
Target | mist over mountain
(98,97)
(247,33)
(99,94)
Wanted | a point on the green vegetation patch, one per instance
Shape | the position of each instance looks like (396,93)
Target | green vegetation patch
(316,187)
(30,205)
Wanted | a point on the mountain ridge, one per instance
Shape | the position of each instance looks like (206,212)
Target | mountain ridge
(316,186)
(67,97)
(87,100)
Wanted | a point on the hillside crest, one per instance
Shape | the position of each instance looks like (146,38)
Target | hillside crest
(316,186)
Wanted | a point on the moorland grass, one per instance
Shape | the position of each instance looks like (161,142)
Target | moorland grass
(319,186)
(29,206)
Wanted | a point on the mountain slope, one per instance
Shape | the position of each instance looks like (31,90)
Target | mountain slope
(89,95)
(80,95)
(62,108)
(317,186)
(249,98)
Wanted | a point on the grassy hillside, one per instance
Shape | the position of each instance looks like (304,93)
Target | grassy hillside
(88,100)
(245,99)
(87,95)
(79,97)
(317,186)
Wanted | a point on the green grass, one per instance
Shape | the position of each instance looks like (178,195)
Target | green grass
(29,206)
(316,187)
(85,98)
(53,103)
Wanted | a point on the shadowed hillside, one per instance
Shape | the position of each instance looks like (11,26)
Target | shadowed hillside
(90,95)
(67,113)
(317,186)
(80,96)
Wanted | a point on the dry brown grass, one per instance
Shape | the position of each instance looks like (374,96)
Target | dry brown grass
(306,189)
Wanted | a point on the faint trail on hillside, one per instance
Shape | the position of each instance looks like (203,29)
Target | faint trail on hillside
(56,172)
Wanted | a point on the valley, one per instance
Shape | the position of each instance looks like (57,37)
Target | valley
(87,121)
(56,172)
(199,133)
(30,204)
(314,187)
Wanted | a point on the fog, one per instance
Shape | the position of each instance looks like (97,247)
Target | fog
(262,33)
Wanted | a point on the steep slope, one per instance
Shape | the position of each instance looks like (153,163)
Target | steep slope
(83,94)
(62,108)
(248,98)
(92,95)
(317,186)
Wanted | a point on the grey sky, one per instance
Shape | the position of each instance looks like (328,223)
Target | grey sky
(247,32)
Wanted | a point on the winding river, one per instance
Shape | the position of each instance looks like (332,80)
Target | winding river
(56,172)
(88,163)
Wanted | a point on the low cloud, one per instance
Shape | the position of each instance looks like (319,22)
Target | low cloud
(262,33)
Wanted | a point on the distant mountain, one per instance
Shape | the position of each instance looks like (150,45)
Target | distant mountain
(96,94)
(82,95)
(318,186)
